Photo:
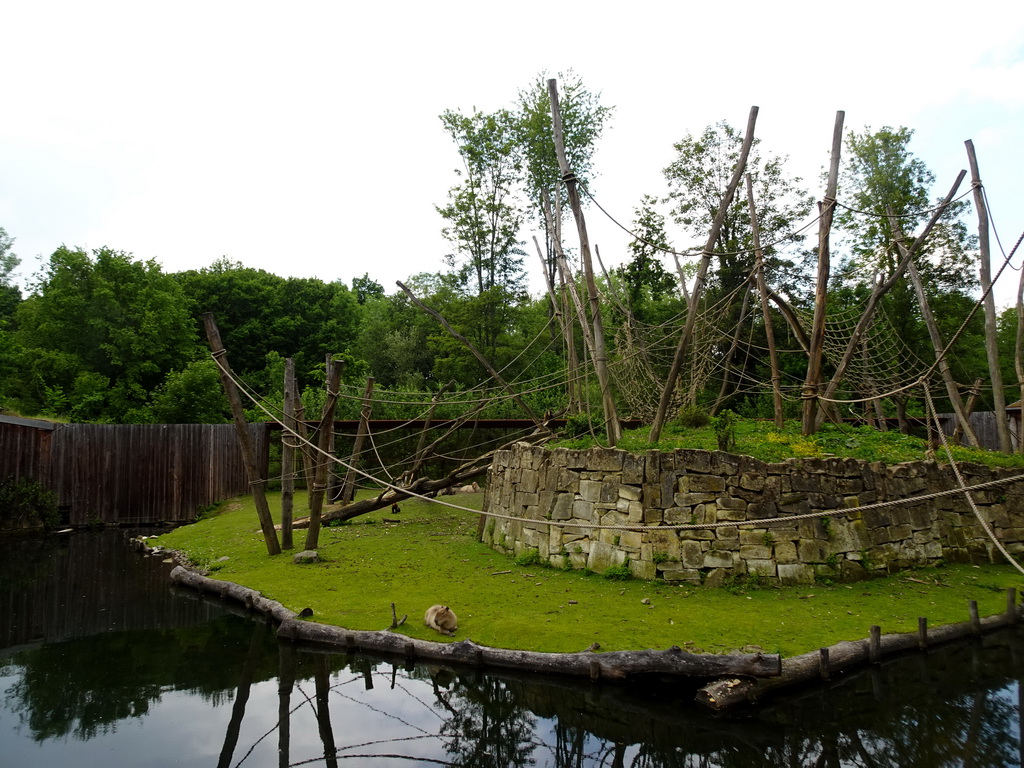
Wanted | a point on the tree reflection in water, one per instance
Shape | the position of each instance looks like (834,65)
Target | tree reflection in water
(212,688)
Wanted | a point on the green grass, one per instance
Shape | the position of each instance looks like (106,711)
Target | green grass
(761,440)
(432,556)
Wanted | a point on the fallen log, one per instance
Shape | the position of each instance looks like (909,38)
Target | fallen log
(816,665)
(250,598)
(612,666)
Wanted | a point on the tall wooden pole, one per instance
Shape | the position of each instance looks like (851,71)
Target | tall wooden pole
(762,289)
(348,487)
(288,454)
(817,340)
(611,416)
(698,284)
(324,441)
(991,340)
(256,480)
(933,332)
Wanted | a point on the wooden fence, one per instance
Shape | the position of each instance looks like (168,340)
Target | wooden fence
(129,473)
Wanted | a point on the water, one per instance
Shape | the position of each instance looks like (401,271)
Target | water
(103,663)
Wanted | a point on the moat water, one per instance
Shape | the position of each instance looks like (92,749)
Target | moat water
(104,663)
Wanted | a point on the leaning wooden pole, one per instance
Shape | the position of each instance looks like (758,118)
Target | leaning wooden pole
(698,284)
(611,416)
(324,440)
(991,340)
(762,289)
(882,288)
(256,480)
(952,392)
(288,454)
(348,487)
(817,339)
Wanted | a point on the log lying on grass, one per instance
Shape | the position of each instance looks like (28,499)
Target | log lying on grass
(250,598)
(616,665)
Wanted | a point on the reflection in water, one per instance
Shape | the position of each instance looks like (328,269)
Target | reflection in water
(170,679)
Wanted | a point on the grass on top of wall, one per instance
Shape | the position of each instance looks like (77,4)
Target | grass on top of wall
(760,439)
(432,556)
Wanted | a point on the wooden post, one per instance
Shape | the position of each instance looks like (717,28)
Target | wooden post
(922,632)
(933,332)
(611,416)
(762,289)
(698,284)
(875,644)
(991,340)
(823,665)
(817,338)
(972,607)
(256,481)
(1011,605)
(288,442)
(325,438)
(348,488)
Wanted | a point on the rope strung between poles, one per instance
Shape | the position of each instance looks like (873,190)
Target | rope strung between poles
(964,487)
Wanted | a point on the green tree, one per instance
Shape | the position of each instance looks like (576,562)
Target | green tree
(258,312)
(10,294)
(583,122)
(643,274)
(99,333)
(881,176)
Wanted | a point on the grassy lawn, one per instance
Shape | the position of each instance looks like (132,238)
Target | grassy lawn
(432,556)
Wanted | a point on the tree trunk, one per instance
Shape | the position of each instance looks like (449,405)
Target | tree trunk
(817,339)
(762,290)
(348,487)
(256,482)
(991,339)
(325,439)
(288,455)
(698,284)
(611,416)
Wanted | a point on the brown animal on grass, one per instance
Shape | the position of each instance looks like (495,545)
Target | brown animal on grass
(441,618)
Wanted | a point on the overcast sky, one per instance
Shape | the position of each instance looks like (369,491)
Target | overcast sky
(303,138)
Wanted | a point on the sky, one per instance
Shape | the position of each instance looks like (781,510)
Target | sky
(304,138)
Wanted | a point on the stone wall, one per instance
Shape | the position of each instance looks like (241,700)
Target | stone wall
(612,487)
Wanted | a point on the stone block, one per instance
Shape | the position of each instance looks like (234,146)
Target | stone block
(583,510)
(785,552)
(706,484)
(631,540)
(604,556)
(632,469)
(716,558)
(691,554)
(630,492)
(755,552)
(605,459)
(590,490)
(812,550)
(688,575)
(563,507)
(764,568)
(643,569)
(795,573)
(751,482)
(717,577)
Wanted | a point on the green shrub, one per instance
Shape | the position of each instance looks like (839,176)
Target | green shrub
(724,425)
(528,557)
(25,502)
(692,417)
(619,572)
